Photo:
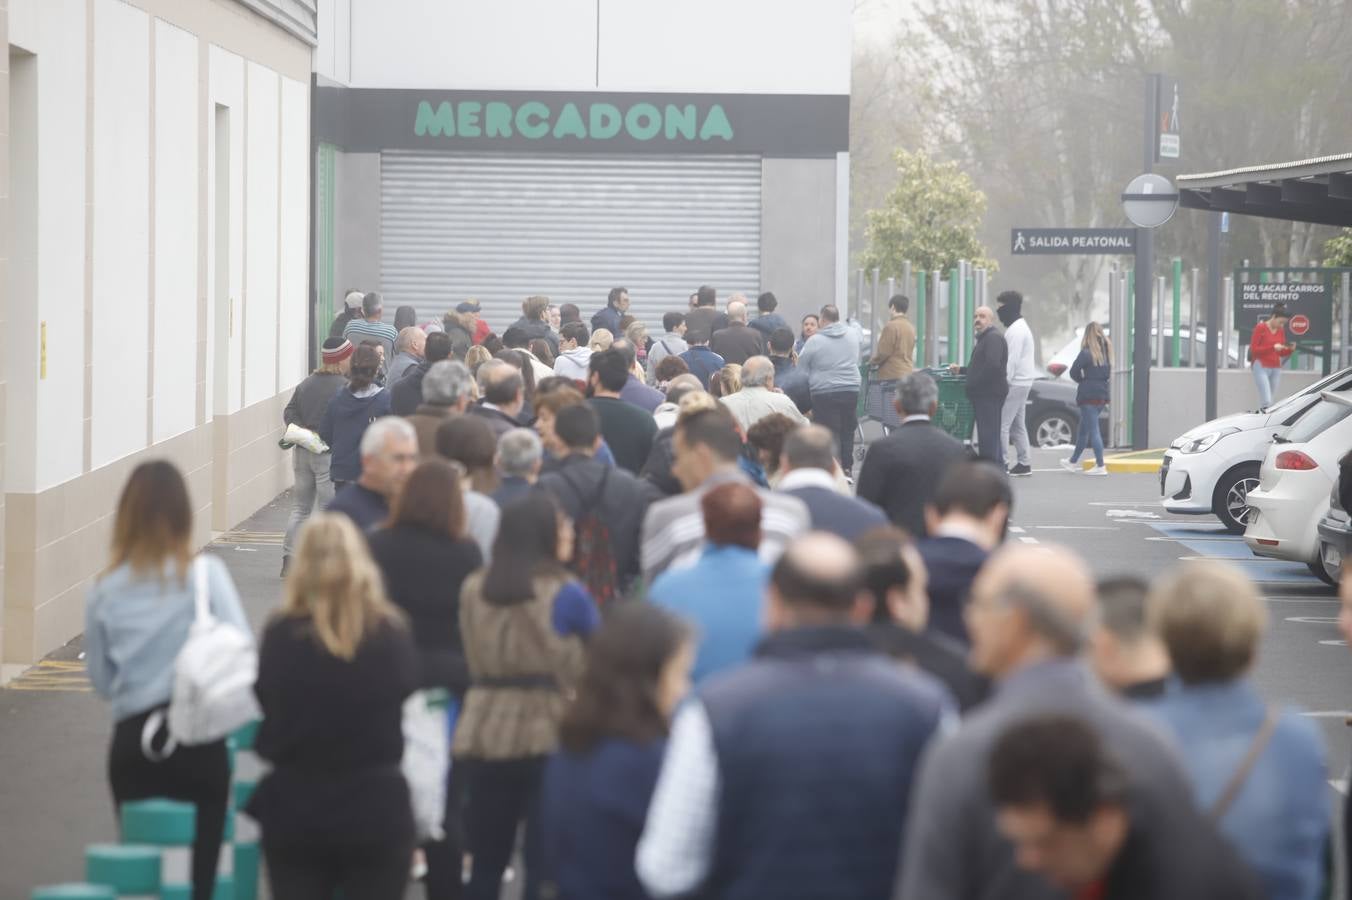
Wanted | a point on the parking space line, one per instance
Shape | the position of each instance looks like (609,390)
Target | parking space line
(1028,540)
(1014,529)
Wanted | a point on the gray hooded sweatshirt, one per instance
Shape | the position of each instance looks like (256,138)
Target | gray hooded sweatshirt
(830,358)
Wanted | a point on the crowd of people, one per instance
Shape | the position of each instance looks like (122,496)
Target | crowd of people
(687,656)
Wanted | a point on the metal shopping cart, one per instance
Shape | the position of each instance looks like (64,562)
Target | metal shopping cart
(955,414)
(875,405)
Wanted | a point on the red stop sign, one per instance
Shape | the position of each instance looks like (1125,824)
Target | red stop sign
(1300,325)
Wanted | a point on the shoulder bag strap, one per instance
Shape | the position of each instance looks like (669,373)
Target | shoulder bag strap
(201,592)
(1236,782)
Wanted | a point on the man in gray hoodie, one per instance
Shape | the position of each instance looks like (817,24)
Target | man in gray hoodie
(830,360)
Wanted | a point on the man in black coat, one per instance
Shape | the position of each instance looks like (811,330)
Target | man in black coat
(738,342)
(807,467)
(406,395)
(987,383)
(582,485)
(901,471)
(966,522)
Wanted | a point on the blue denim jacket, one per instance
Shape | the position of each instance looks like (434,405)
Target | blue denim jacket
(1279,823)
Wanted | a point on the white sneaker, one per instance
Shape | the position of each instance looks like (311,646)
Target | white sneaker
(1098,470)
(1070,466)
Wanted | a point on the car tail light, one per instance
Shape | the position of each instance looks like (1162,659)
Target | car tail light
(1296,461)
(1056,370)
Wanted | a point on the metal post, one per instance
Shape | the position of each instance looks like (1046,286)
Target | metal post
(858,292)
(1178,313)
(1227,317)
(1159,321)
(932,323)
(921,319)
(926,323)
(1217,335)
(1144,280)
(1193,332)
(877,323)
(1346,318)
(955,347)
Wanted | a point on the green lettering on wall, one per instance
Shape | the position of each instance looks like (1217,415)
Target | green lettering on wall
(569,123)
(642,121)
(605,121)
(716,124)
(498,120)
(682,120)
(435,123)
(467,118)
(532,120)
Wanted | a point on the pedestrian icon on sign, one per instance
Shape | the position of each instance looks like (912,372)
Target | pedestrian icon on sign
(1019,245)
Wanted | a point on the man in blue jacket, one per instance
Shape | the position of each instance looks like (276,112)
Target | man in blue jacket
(830,360)
(790,776)
(608,316)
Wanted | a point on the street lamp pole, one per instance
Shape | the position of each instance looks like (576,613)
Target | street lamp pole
(1145,266)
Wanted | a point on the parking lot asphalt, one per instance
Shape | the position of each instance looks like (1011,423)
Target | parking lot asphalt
(53,733)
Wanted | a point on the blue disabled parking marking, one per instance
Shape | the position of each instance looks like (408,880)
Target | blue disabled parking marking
(1216,543)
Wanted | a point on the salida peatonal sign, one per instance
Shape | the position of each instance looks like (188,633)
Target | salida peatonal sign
(1033,241)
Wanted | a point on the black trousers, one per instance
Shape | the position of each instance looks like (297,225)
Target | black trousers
(360,872)
(839,412)
(502,795)
(199,775)
(987,413)
(445,858)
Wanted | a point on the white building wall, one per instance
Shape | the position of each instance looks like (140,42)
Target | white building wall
(294,265)
(174,402)
(710,46)
(224,386)
(58,400)
(121,286)
(260,235)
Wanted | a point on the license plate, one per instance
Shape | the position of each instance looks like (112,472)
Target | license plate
(1333,557)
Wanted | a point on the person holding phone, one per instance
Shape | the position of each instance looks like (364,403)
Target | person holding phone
(1268,350)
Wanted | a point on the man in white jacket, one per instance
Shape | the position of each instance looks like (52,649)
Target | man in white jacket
(1022,372)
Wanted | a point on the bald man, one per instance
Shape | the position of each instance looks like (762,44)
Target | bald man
(1030,615)
(738,342)
(987,382)
(758,397)
(409,348)
(789,776)
(502,393)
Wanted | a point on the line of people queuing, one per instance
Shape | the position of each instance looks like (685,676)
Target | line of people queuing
(688,658)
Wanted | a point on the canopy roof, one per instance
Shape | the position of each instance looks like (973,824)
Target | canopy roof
(1308,190)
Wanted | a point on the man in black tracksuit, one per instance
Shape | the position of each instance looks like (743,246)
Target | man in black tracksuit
(987,384)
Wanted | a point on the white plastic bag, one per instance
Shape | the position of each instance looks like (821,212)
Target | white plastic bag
(295,436)
(427,756)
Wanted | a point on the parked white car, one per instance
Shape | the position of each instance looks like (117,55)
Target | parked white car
(1295,481)
(1210,469)
(1059,364)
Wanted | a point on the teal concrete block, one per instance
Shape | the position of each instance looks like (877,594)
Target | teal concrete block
(246,735)
(74,892)
(161,823)
(127,868)
(246,871)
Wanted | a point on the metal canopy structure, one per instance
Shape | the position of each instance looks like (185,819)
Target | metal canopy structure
(1309,190)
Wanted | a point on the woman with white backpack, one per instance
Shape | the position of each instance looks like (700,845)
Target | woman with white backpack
(139,616)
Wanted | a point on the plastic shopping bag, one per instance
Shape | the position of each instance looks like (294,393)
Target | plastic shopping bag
(427,756)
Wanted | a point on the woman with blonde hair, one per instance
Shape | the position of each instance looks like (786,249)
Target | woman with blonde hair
(138,615)
(477,356)
(336,665)
(1092,370)
(601,339)
(726,381)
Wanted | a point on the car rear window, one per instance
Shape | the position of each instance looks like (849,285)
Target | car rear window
(1321,416)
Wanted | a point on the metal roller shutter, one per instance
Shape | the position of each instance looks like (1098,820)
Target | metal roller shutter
(501,228)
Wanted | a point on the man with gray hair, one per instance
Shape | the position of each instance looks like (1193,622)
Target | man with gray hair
(389,452)
(520,455)
(448,389)
(808,467)
(1031,611)
(502,395)
(408,352)
(902,471)
(758,397)
(738,341)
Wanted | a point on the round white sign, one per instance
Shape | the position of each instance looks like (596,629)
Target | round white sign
(1149,201)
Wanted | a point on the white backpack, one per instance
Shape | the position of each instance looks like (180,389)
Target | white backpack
(214,675)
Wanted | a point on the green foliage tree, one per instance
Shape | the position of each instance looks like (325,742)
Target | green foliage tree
(932,218)
(1338,249)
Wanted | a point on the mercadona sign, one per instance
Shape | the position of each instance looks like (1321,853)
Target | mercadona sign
(535,120)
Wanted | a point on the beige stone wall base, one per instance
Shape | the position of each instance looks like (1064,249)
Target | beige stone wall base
(58,539)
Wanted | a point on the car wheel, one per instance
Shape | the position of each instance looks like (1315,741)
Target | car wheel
(1320,571)
(1053,428)
(1230,502)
